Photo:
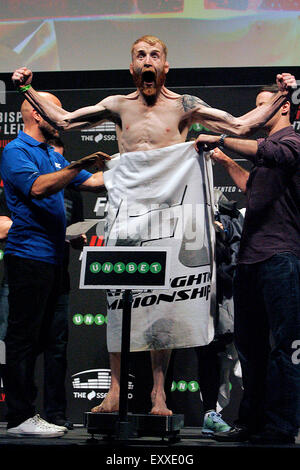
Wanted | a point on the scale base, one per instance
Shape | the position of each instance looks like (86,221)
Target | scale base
(137,425)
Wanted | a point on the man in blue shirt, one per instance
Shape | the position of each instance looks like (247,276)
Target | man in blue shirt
(34,177)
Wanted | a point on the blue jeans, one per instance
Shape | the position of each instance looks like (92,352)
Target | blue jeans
(267,325)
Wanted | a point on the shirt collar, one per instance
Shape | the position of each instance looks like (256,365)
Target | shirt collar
(30,140)
(284,131)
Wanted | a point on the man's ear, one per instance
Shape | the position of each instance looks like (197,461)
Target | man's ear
(286,107)
(131,68)
(166,67)
(36,115)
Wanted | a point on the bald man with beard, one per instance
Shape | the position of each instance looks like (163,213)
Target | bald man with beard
(152,117)
(34,177)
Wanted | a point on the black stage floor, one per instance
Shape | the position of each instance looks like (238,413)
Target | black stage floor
(138,453)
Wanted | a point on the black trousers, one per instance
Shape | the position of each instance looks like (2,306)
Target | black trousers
(33,293)
(209,371)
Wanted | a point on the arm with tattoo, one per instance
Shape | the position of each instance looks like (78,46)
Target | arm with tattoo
(190,103)
(221,121)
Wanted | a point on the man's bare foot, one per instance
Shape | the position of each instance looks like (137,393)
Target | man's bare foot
(159,406)
(108,405)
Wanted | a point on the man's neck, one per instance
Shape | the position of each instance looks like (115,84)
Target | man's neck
(278,126)
(152,99)
(35,133)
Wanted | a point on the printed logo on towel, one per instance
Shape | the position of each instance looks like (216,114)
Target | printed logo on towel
(94,384)
(190,287)
(89,319)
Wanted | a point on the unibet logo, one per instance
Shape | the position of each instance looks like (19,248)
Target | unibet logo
(95,267)
(1,255)
(120,267)
(192,386)
(131,268)
(183,386)
(89,319)
(155,268)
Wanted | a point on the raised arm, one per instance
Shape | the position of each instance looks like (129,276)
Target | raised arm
(221,121)
(59,117)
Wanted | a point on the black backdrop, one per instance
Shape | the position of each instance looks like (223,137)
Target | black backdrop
(88,375)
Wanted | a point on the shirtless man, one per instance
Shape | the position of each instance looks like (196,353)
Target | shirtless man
(149,118)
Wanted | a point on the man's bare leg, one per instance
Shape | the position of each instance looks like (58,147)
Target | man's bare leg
(160,361)
(111,401)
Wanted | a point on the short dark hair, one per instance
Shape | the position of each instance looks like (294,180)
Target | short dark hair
(273,88)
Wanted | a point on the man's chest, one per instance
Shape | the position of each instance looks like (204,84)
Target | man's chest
(159,117)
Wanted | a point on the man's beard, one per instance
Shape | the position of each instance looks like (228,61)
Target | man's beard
(47,130)
(149,83)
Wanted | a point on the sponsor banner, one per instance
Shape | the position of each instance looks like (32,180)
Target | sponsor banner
(94,384)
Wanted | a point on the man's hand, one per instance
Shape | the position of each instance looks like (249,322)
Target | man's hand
(79,242)
(286,82)
(21,77)
(218,156)
(207,142)
(96,159)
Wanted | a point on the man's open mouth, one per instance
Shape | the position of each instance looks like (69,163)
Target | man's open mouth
(149,77)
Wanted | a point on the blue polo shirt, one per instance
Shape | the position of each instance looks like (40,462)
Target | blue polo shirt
(38,229)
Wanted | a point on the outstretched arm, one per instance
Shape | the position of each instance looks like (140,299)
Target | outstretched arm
(57,116)
(221,121)
(245,147)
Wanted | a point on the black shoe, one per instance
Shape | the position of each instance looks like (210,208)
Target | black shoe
(233,435)
(272,437)
(61,420)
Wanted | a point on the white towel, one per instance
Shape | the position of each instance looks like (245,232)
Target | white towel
(164,198)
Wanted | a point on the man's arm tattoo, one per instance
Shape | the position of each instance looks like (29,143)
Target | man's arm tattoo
(190,102)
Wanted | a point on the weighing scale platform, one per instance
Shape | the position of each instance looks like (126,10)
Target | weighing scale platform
(139,425)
